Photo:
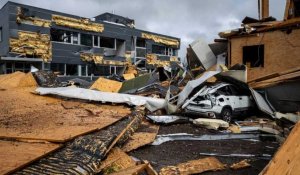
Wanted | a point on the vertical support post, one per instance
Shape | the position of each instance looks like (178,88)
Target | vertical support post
(79,70)
(65,69)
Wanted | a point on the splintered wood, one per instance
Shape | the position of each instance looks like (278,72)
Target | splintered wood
(287,158)
(106,85)
(194,167)
(141,138)
(116,161)
(240,165)
(15,154)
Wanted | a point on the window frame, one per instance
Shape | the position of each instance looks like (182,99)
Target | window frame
(1,34)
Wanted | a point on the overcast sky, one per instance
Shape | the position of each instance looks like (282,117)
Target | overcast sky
(185,19)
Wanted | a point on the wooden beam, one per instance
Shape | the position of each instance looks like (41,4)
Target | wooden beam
(264,9)
(287,8)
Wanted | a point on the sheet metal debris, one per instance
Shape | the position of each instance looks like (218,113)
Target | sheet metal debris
(184,136)
(152,104)
(168,119)
(203,52)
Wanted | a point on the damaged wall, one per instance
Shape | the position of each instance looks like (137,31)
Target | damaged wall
(161,39)
(32,20)
(154,59)
(82,24)
(30,44)
(280,51)
(98,59)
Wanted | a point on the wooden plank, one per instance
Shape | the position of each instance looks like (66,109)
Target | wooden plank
(265,9)
(287,158)
(15,155)
(24,115)
(141,138)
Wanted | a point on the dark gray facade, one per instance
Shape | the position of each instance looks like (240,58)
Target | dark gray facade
(118,39)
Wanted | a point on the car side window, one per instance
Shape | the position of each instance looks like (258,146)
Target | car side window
(234,90)
(224,91)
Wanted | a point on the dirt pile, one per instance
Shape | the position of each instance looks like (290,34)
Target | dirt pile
(17,79)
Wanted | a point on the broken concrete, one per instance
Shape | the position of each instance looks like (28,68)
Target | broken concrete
(211,123)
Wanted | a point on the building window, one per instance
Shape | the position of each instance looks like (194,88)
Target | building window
(107,42)
(57,35)
(96,41)
(0,34)
(253,56)
(161,50)
(67,37)
(140,42)
(75,38)
(87,40)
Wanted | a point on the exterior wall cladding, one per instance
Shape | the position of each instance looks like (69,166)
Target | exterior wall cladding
(118,44)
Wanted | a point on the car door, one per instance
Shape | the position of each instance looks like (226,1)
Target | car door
(229,99)
(242,100)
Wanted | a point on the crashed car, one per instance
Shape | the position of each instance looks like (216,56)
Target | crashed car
(221,100)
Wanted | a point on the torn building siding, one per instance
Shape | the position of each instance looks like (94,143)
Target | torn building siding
(153,59)
(161,39)
(30,44)
(82,24)
(22,17)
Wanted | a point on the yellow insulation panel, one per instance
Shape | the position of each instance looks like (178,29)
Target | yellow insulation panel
(31,20)
(152,59)
(161,39)
(32,44)
(98,59)
(82,24)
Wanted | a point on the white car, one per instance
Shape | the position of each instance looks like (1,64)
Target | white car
(220,100)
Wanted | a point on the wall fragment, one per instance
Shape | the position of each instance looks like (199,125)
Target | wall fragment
(82,24)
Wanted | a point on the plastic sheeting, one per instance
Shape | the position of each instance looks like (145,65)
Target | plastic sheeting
(152,104)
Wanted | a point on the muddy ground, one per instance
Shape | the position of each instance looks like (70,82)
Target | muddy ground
(172,153)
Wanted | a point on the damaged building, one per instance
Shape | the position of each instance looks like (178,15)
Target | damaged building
(76,46)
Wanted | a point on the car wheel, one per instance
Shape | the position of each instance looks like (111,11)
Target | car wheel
(226,114)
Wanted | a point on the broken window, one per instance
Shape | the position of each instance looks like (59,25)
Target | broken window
(67,37)
(0,34)
(57,35)
(253,56)
(75,38)
(72,69)
(96,41)
(107,42)
(140,42)
(86,40)
(159,49)
(58,68)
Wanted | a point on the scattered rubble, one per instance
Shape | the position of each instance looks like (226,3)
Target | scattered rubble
(194,167)
(242,164)
(199,118)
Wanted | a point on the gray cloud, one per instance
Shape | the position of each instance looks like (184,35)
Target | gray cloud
(186,19)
